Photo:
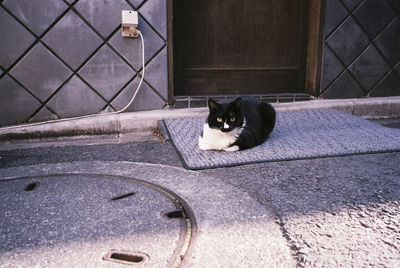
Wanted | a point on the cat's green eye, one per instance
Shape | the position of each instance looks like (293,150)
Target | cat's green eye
(233,119)
(219,119)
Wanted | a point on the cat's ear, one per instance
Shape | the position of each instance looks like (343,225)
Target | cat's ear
(212,105)
(237,103)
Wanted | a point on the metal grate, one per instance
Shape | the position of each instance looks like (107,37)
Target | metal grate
(201,101)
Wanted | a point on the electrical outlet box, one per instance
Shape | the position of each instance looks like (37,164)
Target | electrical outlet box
(129,23)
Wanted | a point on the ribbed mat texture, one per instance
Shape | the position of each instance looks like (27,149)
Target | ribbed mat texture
(297,135)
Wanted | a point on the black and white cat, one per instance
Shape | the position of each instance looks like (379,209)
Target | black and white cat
(237,124)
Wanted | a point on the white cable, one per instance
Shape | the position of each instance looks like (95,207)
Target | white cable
(141,80)
(91,115)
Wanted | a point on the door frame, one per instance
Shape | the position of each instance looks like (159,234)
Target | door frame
(316,18)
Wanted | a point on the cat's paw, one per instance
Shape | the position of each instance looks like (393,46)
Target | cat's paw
(233,148)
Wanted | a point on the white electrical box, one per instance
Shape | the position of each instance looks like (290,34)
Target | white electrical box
(129,23)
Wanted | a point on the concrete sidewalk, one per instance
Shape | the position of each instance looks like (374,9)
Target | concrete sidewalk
(142,125)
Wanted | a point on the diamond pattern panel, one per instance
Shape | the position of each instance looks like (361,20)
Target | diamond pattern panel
(373,15)
(107,72)
(369,68)
(14,39)
(17,103)
(99,70)
(43,115)
(335,13)
(350,4)
(389,42)
(41,72)
(68,32)
(73,94)
(367,46)
(146,98)
(344,87)
(395,4)
(155,11)
(38,14)
(389,86)
(104,16)
(157,73)
(397,69)
(348,41)
(136,3)
(332,67)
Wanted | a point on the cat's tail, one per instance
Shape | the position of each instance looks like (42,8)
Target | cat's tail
(269,115)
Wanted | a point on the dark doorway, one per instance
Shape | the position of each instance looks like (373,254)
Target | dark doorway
(240,47)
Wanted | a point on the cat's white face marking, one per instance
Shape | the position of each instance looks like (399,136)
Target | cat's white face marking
(226,126)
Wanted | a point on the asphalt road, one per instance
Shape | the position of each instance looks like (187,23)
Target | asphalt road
(338,211)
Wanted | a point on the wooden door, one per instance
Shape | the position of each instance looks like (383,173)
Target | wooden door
(239,47)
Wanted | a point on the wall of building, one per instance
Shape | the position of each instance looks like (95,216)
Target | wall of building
(65,58)
(361,55)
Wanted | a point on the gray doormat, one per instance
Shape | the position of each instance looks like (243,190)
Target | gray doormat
(297,135)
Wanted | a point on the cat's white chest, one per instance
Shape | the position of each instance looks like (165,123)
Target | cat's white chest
(214,139)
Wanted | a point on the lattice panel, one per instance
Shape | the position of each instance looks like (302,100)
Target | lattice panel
(361,54)
(65,58)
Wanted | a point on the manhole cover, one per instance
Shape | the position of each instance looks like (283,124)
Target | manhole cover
(86,220)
